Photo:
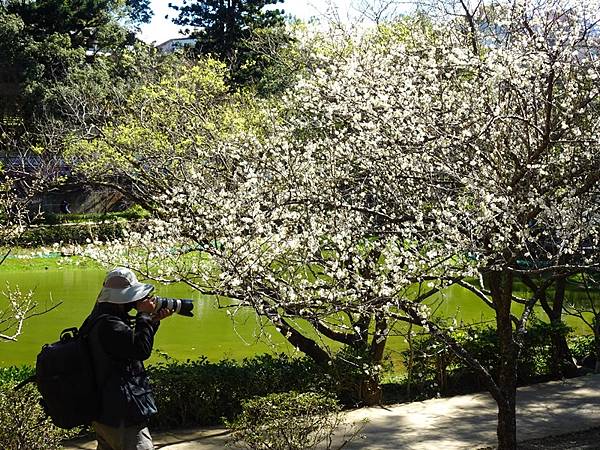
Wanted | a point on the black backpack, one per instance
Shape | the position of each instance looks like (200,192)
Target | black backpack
(66,379)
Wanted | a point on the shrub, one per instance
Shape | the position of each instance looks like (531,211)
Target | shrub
(535,359)
(135,212)
(23,424)
(201,392)
(287,421)
(582,347)
(13,375)
(357,381)
(436,369)
(70,233)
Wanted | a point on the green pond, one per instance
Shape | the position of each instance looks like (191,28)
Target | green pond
(211,332)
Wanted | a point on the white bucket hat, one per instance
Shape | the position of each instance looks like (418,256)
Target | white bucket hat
(121,286)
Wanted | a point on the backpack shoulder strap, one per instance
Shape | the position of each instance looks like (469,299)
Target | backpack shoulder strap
(88,325)
(30,379)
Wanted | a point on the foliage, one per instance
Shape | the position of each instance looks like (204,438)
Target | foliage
(434,368)
(13,375)
(582,347)
(275,60)
(70,233)
(191,101)
(89,94)
(23,424)
(586,309)
(224,30)
(357,375)
(135,212)
(391,170)
(200,392)
(286,421)
(43,41)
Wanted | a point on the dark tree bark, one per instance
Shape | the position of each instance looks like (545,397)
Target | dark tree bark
(371,392)
(301,342)
(501,289)
(562,364)
(368,387)
(562,360)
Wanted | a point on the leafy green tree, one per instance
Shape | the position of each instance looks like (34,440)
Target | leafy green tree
(83,22)
(42,41)
(224,29)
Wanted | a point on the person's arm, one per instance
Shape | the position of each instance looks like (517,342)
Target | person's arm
(121,341)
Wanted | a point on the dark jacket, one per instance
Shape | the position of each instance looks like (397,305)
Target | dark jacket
(119,344)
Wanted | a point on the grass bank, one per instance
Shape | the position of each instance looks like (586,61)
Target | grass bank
(28,259)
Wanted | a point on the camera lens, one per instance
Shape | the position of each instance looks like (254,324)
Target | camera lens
(179,306)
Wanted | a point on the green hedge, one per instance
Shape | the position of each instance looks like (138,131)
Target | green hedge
(42,235)
(201,392)
(78,228)
(582,347)
(14,375)
(135,212)
(23,424)
(286,421)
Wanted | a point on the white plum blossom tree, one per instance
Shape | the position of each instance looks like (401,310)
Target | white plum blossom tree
(418,155)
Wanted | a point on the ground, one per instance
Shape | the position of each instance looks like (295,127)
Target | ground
(581,440)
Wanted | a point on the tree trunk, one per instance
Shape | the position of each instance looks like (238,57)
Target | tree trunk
(562,363)
(370,389)
(370,393)
(597,342)
(501,289)
(562,360)
(367,387)
(507,425)
(301,342)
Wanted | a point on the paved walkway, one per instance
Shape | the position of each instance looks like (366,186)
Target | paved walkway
(461,422)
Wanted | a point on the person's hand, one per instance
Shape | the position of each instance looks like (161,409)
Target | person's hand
(163,313)
(147,305)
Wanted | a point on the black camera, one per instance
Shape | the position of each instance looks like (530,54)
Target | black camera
(181,306)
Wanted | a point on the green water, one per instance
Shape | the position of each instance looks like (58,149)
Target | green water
(211,332)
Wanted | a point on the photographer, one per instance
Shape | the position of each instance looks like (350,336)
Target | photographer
(119,343)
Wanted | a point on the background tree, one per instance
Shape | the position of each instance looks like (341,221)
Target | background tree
(192,117)
(42,41)
(224,29)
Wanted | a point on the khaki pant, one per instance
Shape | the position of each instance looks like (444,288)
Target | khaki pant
(136,437)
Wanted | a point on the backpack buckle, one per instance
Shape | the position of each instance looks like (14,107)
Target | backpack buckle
(68,334)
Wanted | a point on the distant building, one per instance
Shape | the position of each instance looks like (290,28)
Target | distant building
(176,44)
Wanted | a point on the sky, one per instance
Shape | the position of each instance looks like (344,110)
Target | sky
(162,29)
